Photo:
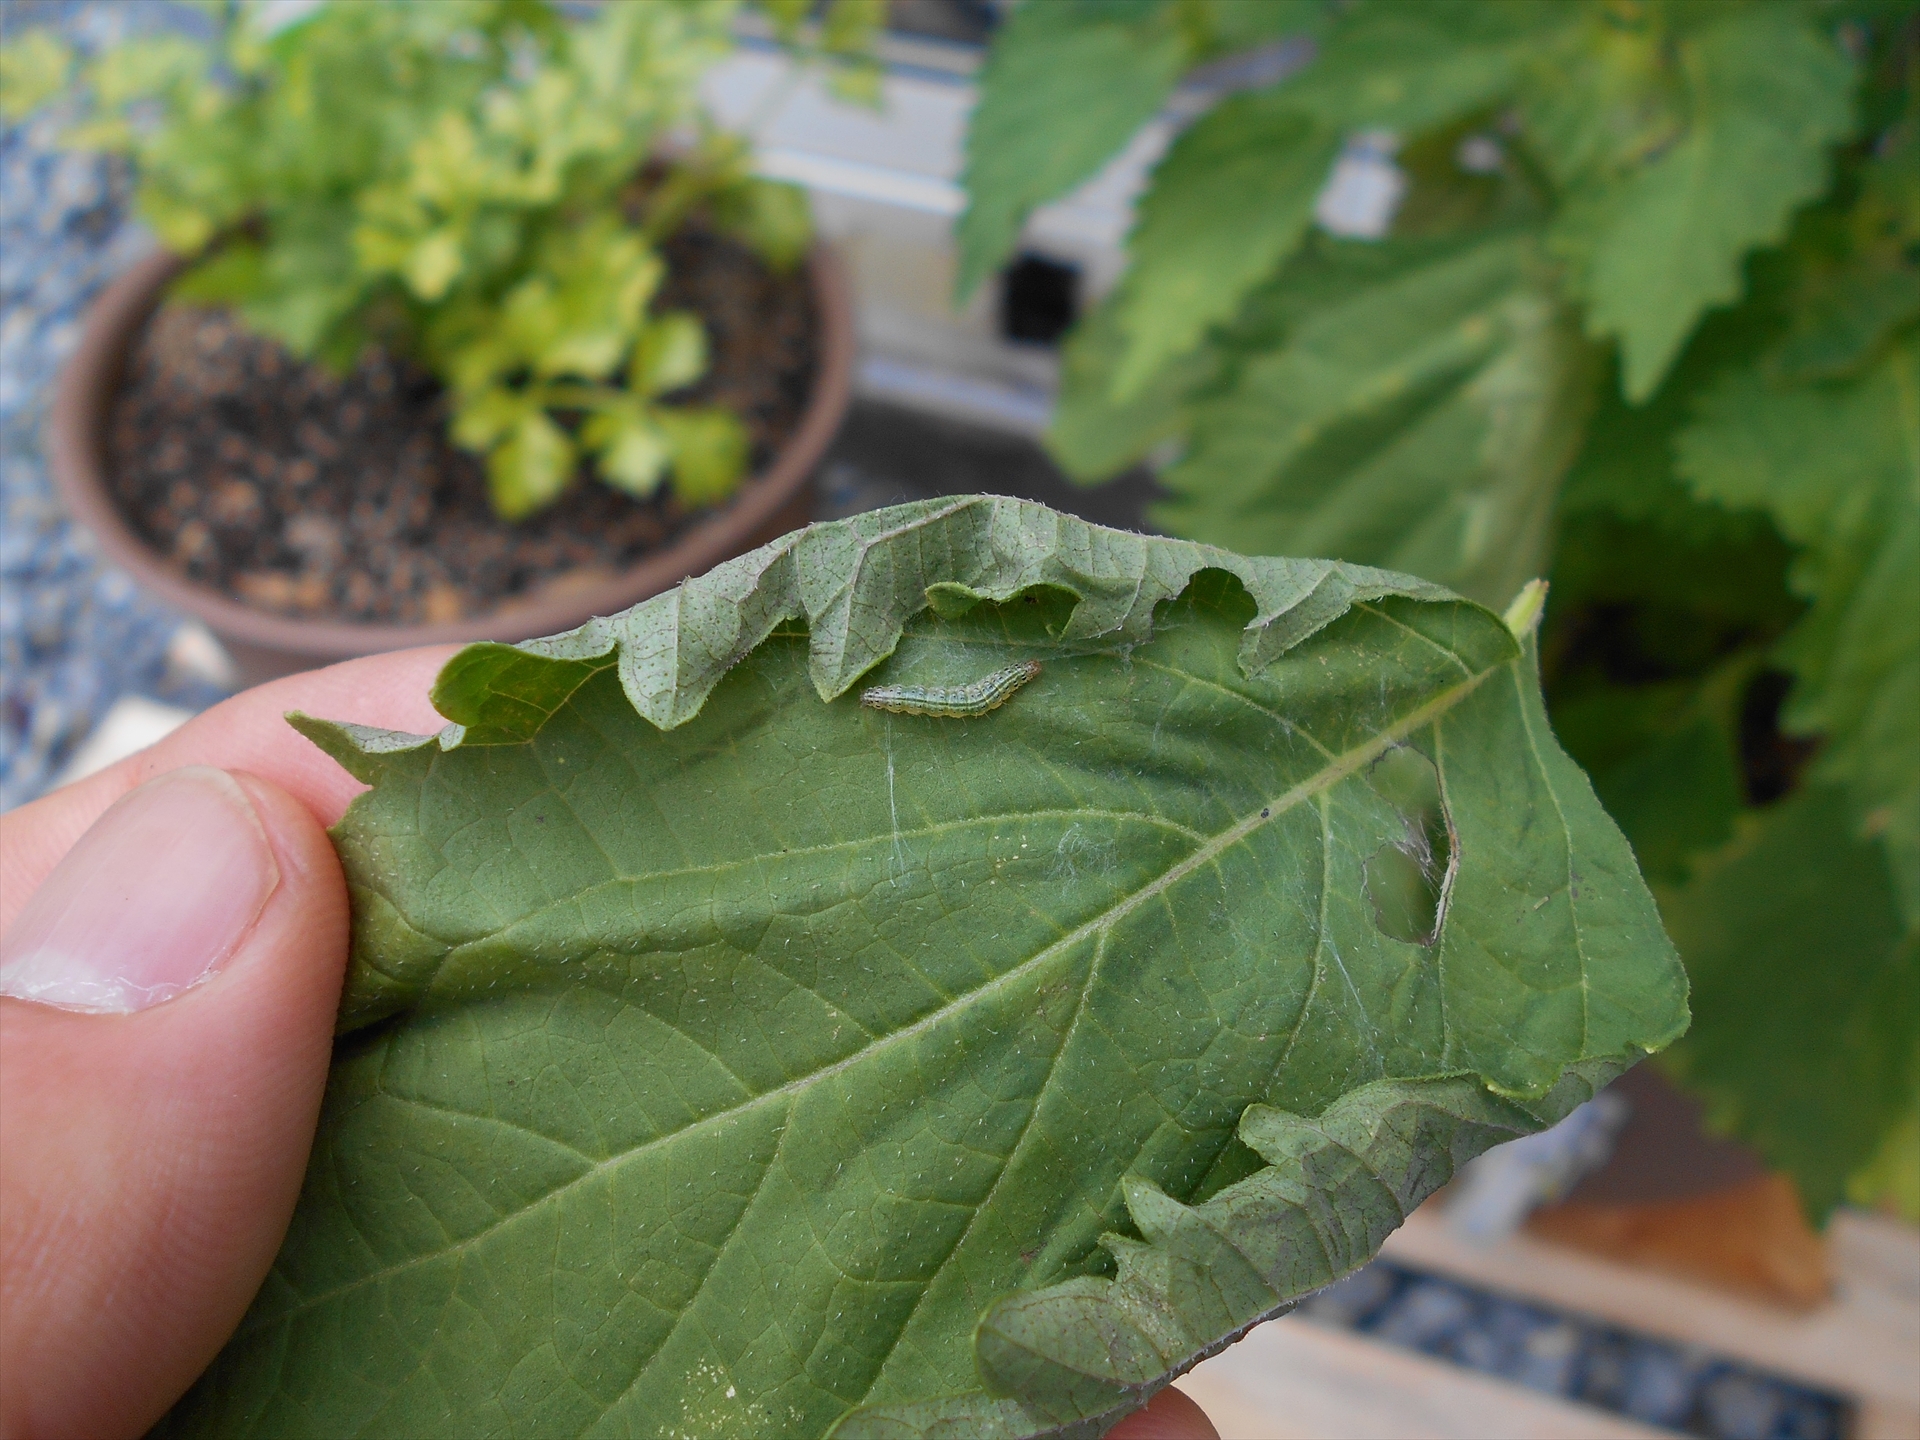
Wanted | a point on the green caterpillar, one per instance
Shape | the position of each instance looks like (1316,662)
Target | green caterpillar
(984,694)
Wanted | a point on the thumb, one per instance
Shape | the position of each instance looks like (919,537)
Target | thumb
(173,983)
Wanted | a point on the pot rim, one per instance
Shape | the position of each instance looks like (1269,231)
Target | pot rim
(76,446)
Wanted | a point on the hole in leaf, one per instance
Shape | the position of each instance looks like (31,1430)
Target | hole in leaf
(1408,879)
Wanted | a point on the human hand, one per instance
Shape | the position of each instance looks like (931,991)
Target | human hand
(187,908)
(151,1151)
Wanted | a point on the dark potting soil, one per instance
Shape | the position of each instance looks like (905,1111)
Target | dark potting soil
(323,496)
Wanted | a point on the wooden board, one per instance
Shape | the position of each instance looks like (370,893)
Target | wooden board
(1865,1343)
(1294,1380)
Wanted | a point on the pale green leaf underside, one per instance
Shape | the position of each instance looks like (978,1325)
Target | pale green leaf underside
(783,1069)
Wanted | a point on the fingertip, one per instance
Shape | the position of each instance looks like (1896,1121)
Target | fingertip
(1170,1415)
(154,1156)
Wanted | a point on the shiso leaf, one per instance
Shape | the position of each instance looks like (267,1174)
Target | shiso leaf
(1423,404)
(727,1057)
(1652,249)
(1837,468)
(1806,979)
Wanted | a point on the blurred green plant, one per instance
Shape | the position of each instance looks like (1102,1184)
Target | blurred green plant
(483,184)
(1645,319)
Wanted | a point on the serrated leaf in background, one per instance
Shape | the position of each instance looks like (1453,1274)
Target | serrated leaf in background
(1806,989)
(1893,1175)
(1419,412)
(1091,437)
(1852,301)
(732,1071)
(1837,466)
(1693,581)
(1410,65)
(1676,797)
(1064,87)
(1604,96)
(1767,97)
(1227,204)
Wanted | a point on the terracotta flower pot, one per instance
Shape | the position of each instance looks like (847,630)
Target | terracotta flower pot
(264,645)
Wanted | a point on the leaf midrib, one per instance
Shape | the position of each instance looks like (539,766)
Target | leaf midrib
(722,867)
(1321,780)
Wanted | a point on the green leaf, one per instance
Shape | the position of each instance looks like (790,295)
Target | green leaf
(1411,65)
(852,27)
(1336,1187)
(111,135)
(710,449)
(433,263)
(1838,468)
(1806,990)
(756,1062)
(530,467)
(774,218)
(34,67)
(309,290)
(233,275)
(1856,311)
(1065,86)
(787,16)
(1228,203)
(1767,96)
(1849,306)
(1675,798)
(146,67)
(1606,97)
(1231,25)
(1689,581)
(671,352)
(1419,412)
(1892,1177)
(481,417)
(581,313)
(1091,436)
(630,452)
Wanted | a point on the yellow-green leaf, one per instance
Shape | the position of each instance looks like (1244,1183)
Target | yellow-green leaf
(709,447)
(630,451)
(34,67)
(671,352)
(529,468)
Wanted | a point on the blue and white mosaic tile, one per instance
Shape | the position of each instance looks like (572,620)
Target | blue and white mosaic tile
(75,633)
(1673,1387)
